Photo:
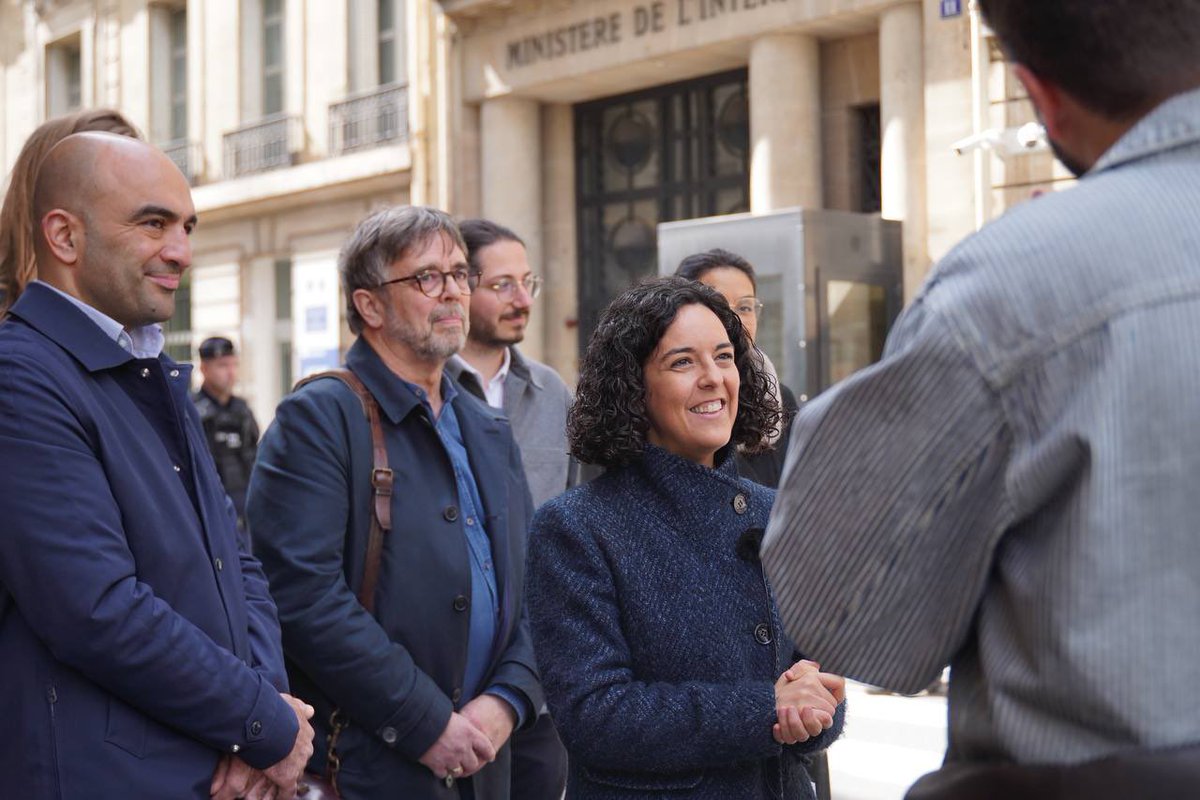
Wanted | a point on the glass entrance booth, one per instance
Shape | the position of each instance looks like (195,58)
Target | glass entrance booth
(830,283)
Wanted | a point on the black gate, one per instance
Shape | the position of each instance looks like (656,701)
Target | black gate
(673,152)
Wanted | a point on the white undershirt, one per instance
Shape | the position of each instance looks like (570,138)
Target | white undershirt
(493,390)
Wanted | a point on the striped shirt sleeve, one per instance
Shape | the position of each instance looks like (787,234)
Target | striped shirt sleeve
(891,503)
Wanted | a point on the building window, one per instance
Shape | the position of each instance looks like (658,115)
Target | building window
(178,329)
(870,151)
(376,110)
(272,57)
(269,137)
(169,87)
(670,153)
(178,72)
(64,77)
(380,22)
(387,41)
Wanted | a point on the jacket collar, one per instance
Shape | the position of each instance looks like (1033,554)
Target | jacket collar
(695,497)
(59,320)
(396,399)
(520,368)
(1175,123)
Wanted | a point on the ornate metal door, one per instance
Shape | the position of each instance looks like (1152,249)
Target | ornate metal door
(668,153)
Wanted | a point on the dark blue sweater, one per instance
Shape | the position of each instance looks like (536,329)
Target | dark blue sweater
(657,637)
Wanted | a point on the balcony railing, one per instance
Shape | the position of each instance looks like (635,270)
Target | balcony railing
(187,156)
(270,143)
(369,120)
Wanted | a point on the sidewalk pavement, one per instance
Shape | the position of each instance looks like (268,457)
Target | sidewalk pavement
(889,742)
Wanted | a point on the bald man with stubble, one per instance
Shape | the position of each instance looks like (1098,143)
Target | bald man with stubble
(139,648)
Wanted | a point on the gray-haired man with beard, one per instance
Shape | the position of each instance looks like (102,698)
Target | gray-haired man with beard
(417,697)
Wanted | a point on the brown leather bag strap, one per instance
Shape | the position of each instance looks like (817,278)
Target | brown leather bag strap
(382,479)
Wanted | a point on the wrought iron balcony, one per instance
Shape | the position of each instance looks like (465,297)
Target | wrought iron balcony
(369,119)
(270,143)
(187,156)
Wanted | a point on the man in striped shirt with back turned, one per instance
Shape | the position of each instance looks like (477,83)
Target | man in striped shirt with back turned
(1013,489)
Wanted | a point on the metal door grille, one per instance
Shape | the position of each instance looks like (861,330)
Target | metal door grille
(673,152)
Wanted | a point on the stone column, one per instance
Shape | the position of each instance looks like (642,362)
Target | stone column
(261,368)
(511,190)
(558,306)
(785,122)
(902,120)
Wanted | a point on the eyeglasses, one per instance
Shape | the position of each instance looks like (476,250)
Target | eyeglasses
(505,288)
(748,308)
(432,282)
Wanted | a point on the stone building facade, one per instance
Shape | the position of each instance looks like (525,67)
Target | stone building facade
(614,115)
(293,119)
(581,124)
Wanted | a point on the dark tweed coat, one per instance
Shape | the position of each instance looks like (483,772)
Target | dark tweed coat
(657,637)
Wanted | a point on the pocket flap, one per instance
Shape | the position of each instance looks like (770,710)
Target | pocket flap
(126,728)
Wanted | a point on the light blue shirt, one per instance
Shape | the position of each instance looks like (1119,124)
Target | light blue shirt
(144,342)
(485,601)
(1015,487)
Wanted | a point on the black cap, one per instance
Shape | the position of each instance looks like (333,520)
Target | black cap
(215,347)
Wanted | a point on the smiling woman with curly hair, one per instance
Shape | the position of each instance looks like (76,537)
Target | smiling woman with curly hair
(662,655)
(608,422)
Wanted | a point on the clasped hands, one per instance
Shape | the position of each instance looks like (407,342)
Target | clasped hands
(472,738)
(805,702)
(234,779)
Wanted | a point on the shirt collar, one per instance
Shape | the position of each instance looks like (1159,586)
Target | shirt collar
(144,342)
(396,396)
(67,325)
(1175,123)
(463,365)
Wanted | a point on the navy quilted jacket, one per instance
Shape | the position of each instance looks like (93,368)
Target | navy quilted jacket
(657,637)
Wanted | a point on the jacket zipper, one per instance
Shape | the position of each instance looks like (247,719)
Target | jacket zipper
(56,779)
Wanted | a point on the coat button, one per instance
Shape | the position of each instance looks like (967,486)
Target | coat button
(456,695)
(461,603)
(174,373)
(219,564)
(256,728)
(450,513)
(145,372)
(762,633)
(739,503)
(388,735)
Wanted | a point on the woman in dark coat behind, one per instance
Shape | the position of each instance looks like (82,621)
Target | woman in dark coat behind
(662,654)
(734,279)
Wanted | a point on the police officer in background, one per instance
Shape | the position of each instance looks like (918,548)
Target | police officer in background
(229,425)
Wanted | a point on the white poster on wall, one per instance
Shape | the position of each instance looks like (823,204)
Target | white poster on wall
(315,320)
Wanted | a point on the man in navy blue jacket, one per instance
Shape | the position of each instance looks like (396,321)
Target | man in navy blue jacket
(433,683)
(139,648)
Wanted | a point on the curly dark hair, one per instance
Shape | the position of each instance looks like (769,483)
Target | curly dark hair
(608,423)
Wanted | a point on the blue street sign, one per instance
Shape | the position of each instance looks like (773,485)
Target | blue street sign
(951,8)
